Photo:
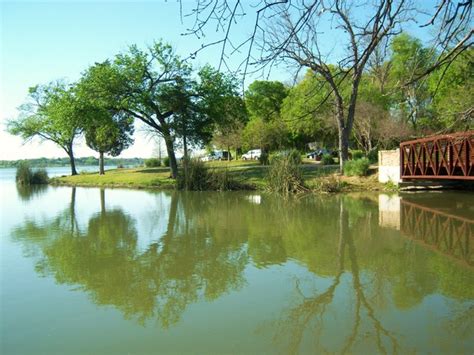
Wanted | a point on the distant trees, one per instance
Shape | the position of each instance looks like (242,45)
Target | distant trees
(50,114)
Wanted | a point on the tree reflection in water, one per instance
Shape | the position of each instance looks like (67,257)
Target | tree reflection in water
(211,239)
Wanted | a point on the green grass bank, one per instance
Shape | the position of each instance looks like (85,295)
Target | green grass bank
(318,178)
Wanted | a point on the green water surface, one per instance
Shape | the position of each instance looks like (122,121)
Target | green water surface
(93,271)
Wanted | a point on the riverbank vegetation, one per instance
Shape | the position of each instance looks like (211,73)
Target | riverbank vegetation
(389,88)
(235,175)
(26,176)
(62,162)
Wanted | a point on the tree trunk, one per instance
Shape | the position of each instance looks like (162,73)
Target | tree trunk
(101,163)
(72,162)
(171,156)
(185,146)
(343,147)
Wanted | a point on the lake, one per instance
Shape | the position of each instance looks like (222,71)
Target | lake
(115,271)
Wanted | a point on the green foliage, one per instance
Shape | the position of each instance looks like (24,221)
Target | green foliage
(51,114)
(26,176)
(195,176)
(152,163)
(264,99)
(166,161)
(327,159)
(285,175)
(267,135)
(85,161)
(303,122)
(358,167)
(391,186)
(373,156)
(357,154)
(452,90)
(329,184)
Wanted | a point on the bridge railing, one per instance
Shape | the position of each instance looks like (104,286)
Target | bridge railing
(447,157)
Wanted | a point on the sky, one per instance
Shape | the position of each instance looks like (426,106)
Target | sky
(45,41)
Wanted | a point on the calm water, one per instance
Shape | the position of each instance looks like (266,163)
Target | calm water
(121,271)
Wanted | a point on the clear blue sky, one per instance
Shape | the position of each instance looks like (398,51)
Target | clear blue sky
(44,41)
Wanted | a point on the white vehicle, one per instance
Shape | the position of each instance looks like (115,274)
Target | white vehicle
(217,155)
(253,154)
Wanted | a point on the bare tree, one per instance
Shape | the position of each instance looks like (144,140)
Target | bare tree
(289,30)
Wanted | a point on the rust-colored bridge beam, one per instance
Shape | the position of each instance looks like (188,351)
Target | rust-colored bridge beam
(443,157)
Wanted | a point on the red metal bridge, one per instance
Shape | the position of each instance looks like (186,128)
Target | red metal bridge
(443,157)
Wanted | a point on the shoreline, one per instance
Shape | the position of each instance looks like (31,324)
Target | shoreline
(318,179)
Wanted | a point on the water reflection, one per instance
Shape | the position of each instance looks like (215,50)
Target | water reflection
(363,272)
(28,192)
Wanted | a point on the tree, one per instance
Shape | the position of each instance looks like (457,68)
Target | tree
(452,93)
(138,83)
(264,99)
(294,38)
(298,111)
(51,115)
(108,132)
(409,59)
(265,129)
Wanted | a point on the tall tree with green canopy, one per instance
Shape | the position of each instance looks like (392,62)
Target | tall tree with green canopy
(108,132)
(138,83)
(304,122)
(452,92)
(264,99)
(50,115)
(410,59)
(221,103)
(265,129)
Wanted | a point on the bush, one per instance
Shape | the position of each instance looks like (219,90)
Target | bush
(195,176)
(357,154)
(373,156)
(327,159)
(152,163)
(293,155)
(329,184)
(358,167)
(166,161)
(40,176)
(25,176)
(284,175)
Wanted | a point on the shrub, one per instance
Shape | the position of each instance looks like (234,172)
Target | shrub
(357,154)
(40,176)
(23,174)
(26,176)
(358,167)
(327,159)
(166,161)
(285,176)
(152,163)
(195,176)
(373,156)
(293,155)
(329,184)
